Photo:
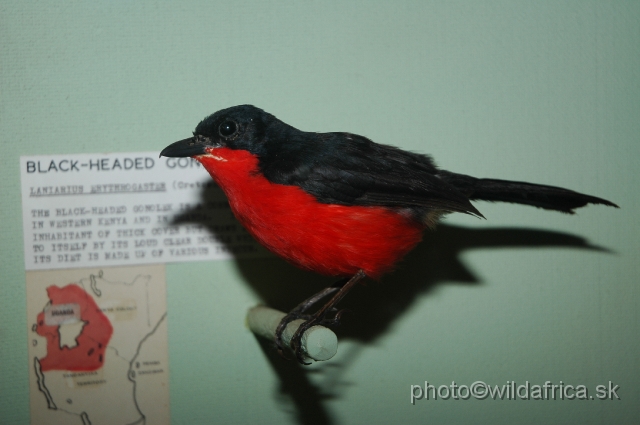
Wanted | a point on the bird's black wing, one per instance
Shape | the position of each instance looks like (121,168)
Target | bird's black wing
(347,169)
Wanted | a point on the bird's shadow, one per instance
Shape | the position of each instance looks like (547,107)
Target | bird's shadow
(375,305)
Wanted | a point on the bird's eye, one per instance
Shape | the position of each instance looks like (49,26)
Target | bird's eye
(228,128)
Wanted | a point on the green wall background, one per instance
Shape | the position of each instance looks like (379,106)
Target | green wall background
(535,91)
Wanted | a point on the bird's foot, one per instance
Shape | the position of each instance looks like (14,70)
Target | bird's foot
(299,312)
(294,314)
(318,319)
(338,290)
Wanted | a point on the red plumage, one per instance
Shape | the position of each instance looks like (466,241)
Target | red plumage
(330,239)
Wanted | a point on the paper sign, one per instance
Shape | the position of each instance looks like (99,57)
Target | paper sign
(89,210)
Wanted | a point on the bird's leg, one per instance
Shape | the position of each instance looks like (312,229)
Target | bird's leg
(299,310)
(319,318)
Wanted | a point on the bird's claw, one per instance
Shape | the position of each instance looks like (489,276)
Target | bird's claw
(293,315)
(311,321)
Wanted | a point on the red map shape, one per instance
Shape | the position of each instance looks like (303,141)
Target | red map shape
(88,354)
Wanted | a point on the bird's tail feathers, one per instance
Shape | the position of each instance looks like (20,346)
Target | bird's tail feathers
(537,195)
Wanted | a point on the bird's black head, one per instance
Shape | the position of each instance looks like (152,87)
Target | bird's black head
(238,127)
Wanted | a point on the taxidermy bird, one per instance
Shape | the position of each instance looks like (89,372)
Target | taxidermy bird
(339,204)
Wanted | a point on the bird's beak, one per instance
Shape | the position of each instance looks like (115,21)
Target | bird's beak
(192,146)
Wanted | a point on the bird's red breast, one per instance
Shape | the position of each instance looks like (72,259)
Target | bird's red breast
(326,238)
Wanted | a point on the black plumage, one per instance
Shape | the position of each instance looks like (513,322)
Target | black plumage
(348,169)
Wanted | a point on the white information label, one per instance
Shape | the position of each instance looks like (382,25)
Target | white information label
(125,208)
